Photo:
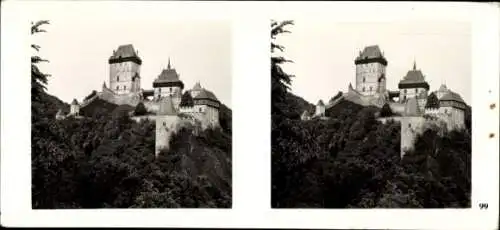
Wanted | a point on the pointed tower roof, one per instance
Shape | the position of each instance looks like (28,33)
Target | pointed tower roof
(414,64)
(167,107)
(104,84)
(168,78)
(197,86)
(413,79)
(443,88)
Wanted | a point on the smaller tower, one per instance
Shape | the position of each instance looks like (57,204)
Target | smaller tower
(168,84)
(320,109)
(74,108)
(166,124)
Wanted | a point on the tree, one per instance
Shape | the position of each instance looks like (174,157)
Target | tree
(280,81)
(432,101)
(386,111)
(140,109)
(38,79)
(186,99)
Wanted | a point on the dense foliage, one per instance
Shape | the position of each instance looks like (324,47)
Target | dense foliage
(107,160)
(353,161)
(386,111)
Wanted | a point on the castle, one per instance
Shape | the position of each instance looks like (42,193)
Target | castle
(412,104)
(166,103)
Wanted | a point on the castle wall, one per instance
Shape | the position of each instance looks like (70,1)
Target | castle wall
(165,127)
(120,77)
(455,117)
(367,76)
(410,128)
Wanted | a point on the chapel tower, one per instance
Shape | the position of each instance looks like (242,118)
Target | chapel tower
(124,70)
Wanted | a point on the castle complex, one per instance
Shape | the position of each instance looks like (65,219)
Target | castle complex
(409,103)
(169,106)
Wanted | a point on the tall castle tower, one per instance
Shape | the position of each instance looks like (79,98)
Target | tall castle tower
(166,124)
(370,71)
(169,84)
(124,70)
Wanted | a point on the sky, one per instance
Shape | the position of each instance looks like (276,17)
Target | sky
(323,53)
(78,48)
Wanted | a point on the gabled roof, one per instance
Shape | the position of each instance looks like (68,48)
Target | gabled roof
(370,52)
(167,107)
(124,51)
(305,113)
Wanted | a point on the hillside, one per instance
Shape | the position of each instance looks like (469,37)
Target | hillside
(352,160)
(109,163)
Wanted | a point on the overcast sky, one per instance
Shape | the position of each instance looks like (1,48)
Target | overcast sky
(78,48)
(324,51)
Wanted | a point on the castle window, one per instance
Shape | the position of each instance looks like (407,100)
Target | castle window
(164,124)
(404,91)
(117,78)
(364,79)
(170,89)
(370,88)
(363,89)
(117,87)
(416,90)
(200,109)
(409,125)
(445,110)
(125,87)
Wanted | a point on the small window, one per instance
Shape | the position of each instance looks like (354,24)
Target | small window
(445,110)
(364,79)
(117,78)
(409,125)
(159,90)
(125,87)
(416,90)
(404,91)
(404,98)
(200,109)
(363,89)
(117,87)
(164,124)
(170,89)
(370,88)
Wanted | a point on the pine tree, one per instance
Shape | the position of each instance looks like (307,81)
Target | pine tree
(38,79)
(432,101)
(280,81)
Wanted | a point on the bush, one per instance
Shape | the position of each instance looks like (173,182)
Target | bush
(386,111)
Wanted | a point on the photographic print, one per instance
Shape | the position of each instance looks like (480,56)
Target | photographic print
(130,113)
(371,115)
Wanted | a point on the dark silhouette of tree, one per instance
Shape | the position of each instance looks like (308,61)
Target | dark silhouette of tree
(38,79)
(280,80)
(186,99)
(386,111)
(140,109)
(432,101)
